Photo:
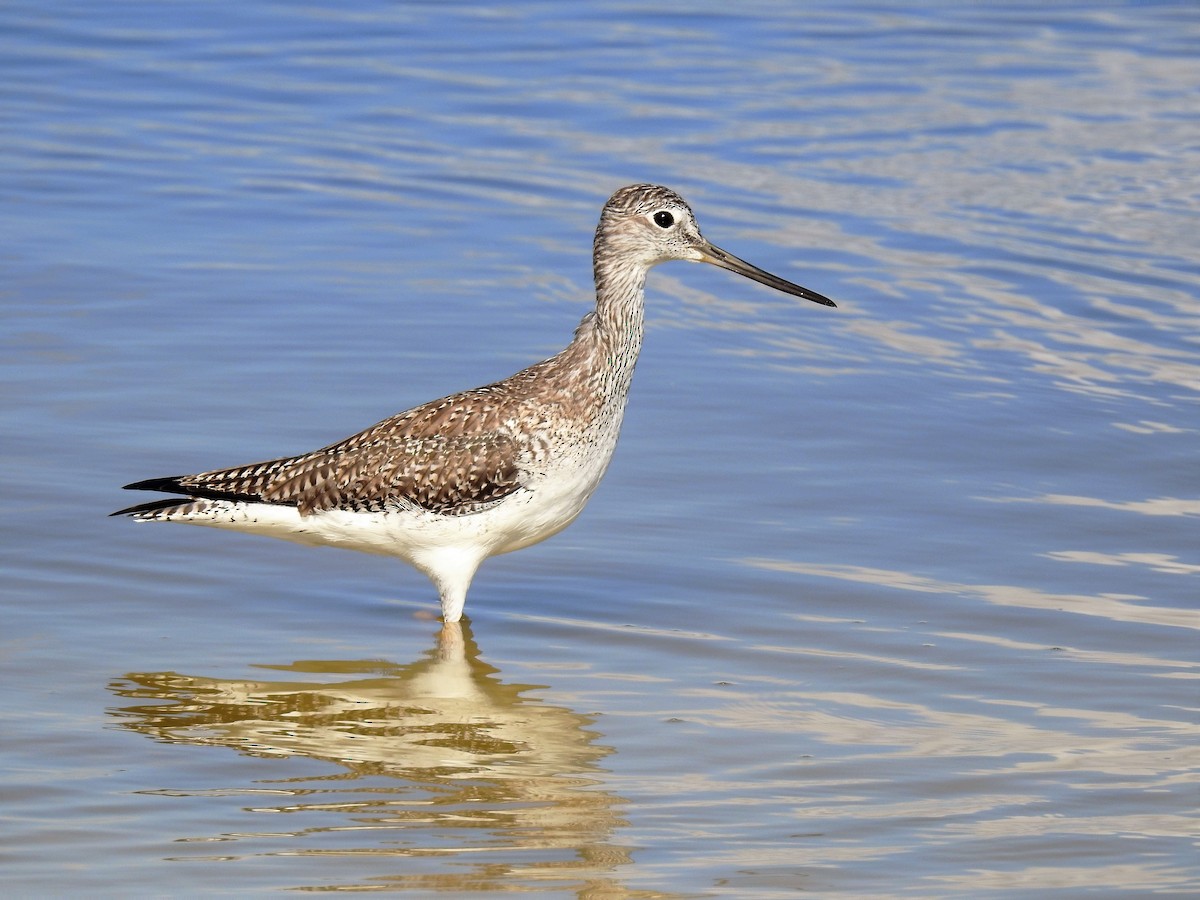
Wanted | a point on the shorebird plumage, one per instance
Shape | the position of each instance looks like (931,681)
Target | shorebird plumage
(447,484)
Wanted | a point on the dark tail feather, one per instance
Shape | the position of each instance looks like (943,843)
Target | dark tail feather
(182,484)
(153,506)
(172,485)
(167,485)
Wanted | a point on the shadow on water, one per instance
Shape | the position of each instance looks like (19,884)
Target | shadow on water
(458,777)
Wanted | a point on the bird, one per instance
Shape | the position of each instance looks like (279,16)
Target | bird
(450,483)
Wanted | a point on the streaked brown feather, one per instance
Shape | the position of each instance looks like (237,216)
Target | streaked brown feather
(452,456)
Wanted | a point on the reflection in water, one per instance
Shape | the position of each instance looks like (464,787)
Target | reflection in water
(1116,608)
(1156,506)
(439,763)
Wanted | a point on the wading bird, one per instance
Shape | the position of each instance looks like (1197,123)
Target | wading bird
(447,484)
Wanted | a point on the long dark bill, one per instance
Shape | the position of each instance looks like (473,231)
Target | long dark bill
(718,257)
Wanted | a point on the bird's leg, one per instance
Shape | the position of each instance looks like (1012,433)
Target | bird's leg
(451,570)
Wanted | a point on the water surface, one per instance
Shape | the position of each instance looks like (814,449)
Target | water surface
(894,600)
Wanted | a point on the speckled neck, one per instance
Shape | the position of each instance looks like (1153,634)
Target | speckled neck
(619,322)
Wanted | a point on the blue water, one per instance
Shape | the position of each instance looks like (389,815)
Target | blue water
(894,600)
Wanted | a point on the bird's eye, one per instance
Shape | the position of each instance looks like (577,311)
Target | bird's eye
(663,219)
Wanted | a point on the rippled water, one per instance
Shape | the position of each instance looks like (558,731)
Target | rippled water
(897,599)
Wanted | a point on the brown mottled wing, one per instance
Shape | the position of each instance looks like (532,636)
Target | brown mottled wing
(451,475)
(447,457)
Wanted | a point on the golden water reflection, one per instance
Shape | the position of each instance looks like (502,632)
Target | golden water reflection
(454,777)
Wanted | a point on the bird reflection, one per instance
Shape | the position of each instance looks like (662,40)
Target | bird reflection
(438,756)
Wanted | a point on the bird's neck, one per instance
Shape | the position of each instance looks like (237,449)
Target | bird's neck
(619,317)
